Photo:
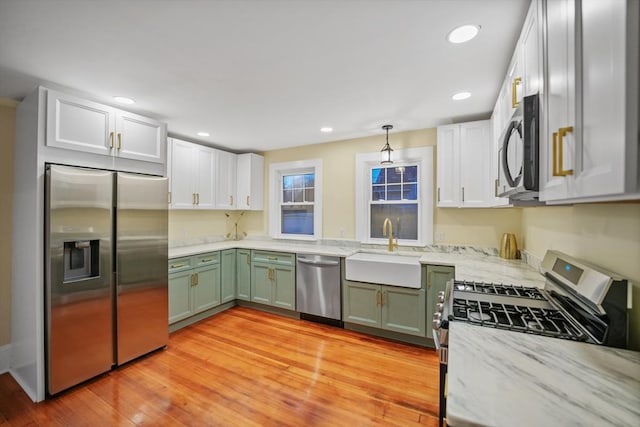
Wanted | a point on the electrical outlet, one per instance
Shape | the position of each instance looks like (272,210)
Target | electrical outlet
(439,236)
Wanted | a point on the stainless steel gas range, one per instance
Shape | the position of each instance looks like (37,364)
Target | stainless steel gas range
(579,302)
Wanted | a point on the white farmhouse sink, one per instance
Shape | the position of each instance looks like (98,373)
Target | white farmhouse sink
(385,269)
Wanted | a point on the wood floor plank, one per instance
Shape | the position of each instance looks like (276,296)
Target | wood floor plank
(244,367)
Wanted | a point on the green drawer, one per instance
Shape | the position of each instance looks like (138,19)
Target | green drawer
(279,258)
(206,259)
(179,264)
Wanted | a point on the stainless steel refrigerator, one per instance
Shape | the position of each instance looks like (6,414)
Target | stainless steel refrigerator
(106,271)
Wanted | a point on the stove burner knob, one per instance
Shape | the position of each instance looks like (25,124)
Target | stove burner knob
(441,297)
(437,320)
(439,307)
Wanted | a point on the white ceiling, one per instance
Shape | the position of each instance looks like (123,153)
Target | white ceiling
(265,74)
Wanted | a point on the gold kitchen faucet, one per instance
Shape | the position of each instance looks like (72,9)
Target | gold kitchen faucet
(392,245)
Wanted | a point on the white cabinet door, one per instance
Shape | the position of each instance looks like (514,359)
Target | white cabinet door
(249,181)
(204,159)
(77,124)
(182,175)
(475,164)
(226,180)
(496,145)
(603,161)
(139,138)
(447,166)
(530,46)
(556,153)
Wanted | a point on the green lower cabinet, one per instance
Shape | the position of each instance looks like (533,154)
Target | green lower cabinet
(273,279)
(243,274)
(361,304)
(436,278)
(392,308)
(206,290)
(261,283)
(403,310)
(227,275)
(180,296)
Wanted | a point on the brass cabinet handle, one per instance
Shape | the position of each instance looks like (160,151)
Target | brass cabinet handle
(555,154)
(514,93)
(110,140)
(463,194)
(182,264)
(197,198)
(248,260)
(193,280)
(206,260)
(197,279)
(377,298)
(194,198)
(248,204)
(382,298)
(270,274)
(438,193)
(119,140)
(561,133)
(272,258)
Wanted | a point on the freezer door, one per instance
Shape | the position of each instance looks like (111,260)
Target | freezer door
(79,275)
(141,265)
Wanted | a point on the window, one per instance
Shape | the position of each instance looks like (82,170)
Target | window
(295,199)
(394,195)
(297,204)
(401,192)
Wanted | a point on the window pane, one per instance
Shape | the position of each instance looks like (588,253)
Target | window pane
(309,180)
(394,192)
(309,194)
(404,218)
(298,195)
(287,182)
(394,175)
(377,192)
(287,196)
(297,220)
(411,174)
(298,181)
(410,192)
(377,176)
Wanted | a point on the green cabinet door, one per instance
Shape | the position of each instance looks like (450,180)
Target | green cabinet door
(403,310)
(243,274)
(261,282)
(284,287)
(206,290)
(361,303)
(436,277)
(227,275)
(179,295)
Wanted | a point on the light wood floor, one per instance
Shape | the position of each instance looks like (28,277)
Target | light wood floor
(245,367)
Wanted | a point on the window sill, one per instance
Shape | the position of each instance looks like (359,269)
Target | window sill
(295,237)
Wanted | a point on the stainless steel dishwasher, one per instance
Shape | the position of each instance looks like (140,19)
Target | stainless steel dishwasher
(318,290)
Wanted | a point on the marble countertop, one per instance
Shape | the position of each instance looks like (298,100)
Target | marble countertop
(502,378)
(469,263)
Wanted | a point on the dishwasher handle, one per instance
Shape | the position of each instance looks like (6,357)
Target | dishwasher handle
(318,263)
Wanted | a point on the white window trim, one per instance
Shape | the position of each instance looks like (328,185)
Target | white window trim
(276,171)
(423,156)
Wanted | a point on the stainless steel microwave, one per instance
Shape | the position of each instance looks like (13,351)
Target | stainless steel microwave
(518,156)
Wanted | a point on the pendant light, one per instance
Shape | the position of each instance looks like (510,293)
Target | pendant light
(386,150)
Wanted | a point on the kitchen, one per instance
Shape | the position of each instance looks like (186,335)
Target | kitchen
(605,234)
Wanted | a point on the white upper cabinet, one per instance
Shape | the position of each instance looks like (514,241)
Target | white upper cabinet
(249,182)
(464,165)
(78,124)
(226,180)
(591,152)
(191,175)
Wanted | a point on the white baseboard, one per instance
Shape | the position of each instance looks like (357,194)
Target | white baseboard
(5,358)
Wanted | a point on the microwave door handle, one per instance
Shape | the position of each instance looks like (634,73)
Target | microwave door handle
(513,126)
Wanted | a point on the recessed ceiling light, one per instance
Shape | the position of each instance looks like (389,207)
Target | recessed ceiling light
(124,100)
(326,129)
(203,134)
(463,33)
(461,95)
